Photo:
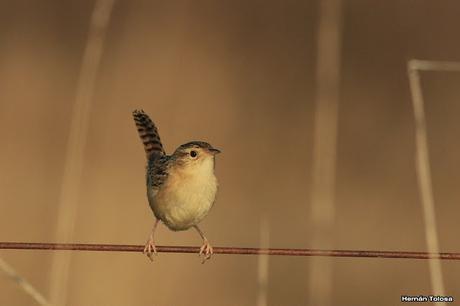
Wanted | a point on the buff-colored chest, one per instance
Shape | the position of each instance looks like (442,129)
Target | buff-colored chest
(186,196)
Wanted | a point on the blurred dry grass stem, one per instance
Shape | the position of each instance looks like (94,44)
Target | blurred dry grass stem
(423,65)
(324,146)
(423,164)
(263,263)
(23,283)
(71,179)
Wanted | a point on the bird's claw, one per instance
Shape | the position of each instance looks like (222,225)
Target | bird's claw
(150,249)
(206,251)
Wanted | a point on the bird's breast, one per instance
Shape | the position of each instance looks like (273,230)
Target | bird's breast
(186,197)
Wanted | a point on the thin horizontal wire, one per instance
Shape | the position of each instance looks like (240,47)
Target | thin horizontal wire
(227,250)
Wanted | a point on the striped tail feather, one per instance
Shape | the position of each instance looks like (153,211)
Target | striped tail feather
(148,133)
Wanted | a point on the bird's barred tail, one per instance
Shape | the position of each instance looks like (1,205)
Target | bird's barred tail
(148,133)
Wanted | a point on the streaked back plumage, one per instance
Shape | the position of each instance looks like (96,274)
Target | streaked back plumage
(149,135)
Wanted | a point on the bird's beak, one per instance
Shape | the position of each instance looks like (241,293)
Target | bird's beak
(214,151)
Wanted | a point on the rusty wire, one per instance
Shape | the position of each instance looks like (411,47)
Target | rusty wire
(228,250)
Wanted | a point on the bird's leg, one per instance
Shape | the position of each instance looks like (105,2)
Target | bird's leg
(206,249)
(150,248)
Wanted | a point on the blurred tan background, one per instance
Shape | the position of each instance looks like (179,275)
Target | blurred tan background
(240,75)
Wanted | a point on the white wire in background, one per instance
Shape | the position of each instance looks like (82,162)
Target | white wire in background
(423,165)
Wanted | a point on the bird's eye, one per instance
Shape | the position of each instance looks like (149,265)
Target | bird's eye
(193,153)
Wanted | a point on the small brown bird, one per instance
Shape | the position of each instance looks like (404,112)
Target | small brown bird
(182,187)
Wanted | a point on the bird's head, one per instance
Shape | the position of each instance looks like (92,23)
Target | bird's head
(195,153)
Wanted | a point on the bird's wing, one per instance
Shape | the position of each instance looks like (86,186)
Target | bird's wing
(148,133)
(157,171)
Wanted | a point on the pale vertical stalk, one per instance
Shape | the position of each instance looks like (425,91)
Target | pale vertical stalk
(68,199)
(324,154)
(423,165)
(23,283)
(263,263)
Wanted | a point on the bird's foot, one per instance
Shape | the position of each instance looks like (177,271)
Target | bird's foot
(150,249)
(205,251)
